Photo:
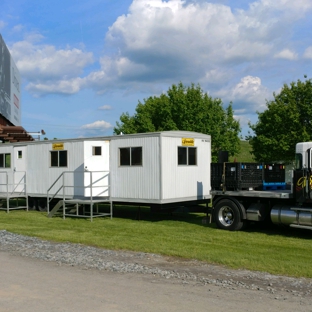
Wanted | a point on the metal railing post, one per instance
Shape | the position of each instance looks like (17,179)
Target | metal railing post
(63,196)
(7,188)
(91,206)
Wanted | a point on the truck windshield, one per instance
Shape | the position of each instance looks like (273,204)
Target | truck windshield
(298,161)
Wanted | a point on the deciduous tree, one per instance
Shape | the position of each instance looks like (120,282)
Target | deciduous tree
(189,109)
(286,121)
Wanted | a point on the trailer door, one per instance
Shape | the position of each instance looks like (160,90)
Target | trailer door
(19,169)
(96,165)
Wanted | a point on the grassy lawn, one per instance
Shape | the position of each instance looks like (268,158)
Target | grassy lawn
(277,250)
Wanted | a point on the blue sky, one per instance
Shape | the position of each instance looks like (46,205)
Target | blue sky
(84,63)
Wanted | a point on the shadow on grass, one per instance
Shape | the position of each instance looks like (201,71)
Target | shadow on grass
(145,214)
(268,228)
(198,216)
(192,214)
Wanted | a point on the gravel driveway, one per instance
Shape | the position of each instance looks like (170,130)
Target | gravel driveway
(84,278)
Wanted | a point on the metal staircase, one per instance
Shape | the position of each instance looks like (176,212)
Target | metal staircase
(79,200)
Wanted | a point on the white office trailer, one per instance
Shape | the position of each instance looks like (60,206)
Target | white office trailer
(160,168)
(74,171)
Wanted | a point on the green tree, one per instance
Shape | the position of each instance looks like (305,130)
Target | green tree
(286,121)
(188,109)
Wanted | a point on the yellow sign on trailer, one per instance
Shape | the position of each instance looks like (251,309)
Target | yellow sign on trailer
(58,146)
(187,142)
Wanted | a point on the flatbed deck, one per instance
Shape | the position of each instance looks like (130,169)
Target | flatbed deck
(261,194)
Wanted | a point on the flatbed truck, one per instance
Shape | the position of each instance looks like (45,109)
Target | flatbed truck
(233,209)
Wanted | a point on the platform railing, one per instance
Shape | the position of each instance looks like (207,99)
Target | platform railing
(16,189)
(62,186)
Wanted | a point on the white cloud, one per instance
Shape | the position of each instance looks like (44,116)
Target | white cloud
(105,107)
(308,53)
(290,6)
(195,40)
(69,86)
(18,28)
(210,32)
(46,62)
(286,54)
(249,95)
(97,125)
(47,69)
(118,72)
(217,76)
(118,67)
(2,24)
(160,41)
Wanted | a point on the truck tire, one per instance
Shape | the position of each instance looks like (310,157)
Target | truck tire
(227,216)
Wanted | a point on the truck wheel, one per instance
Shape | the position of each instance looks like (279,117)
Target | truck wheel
(227,216)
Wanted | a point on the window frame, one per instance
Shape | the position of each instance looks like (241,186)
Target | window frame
(182,156)
(187,159)
(5,158)
(131,156)
(96,149)
(58,159)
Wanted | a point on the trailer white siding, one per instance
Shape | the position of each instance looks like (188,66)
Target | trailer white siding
(41,175)
(160,179)
(136,183)
(185,182)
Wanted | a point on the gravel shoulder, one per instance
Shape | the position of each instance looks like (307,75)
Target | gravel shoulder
(242,286)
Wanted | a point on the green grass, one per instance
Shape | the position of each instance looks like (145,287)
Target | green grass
(245,153)
(275,250)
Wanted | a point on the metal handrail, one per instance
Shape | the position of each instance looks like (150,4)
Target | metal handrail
(49,189)
(19,184)
(14,185)
(63,186)
(7,187)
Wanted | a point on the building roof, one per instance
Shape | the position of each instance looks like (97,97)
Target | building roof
(14,134)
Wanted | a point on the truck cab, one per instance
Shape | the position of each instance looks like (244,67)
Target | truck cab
(303,155)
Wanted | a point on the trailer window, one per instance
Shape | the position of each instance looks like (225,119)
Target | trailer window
(5,160)
(182,155)
(58,158)
(187,156)
(298,159)
(136,156)
(130,156)
(19,154)
(192,156)
(96,150)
